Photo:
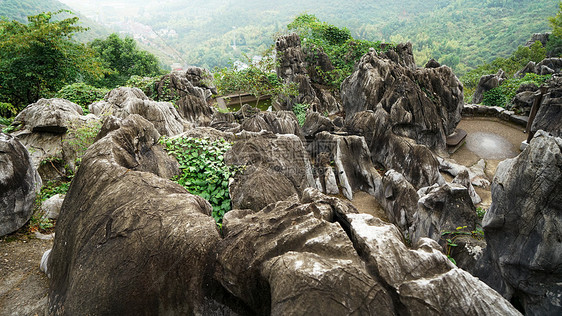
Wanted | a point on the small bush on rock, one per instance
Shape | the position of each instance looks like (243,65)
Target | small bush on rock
(204,172)
(503,94)
(300,112)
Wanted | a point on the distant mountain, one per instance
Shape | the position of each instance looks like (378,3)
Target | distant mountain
(208,33)
(19,10)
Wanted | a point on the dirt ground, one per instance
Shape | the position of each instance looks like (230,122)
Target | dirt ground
(23,287)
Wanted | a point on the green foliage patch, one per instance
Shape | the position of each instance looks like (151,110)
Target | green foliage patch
(503,94)
(450,238)
(204,172)
(82,94)
(80,136)
(300,112)
(342,49)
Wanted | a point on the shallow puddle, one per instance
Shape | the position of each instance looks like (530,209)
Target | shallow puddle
(490,146)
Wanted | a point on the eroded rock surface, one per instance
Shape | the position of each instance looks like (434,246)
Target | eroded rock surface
(523,228)
(124,101)
(49,115)
(275,167)
(549,116)
(486,83)
(129,242)
(19,183)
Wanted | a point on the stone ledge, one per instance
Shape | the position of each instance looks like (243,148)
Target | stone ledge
(472,110)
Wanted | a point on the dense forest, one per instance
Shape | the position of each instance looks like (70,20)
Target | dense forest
(462,34)
(212,33)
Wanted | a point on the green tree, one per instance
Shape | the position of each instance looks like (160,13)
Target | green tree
(554,45)
(40,57)
(123,59)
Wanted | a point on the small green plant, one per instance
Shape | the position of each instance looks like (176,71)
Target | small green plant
(204,172)
(300,112)
(81,135)
(146,84)
(451,236)
(39,222)
(480,212)
(7,110)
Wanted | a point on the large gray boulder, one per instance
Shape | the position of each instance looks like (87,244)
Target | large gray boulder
(128,241)
(523,228)
(19,184)
(124,101)
(274,168)
(49,115)
(422,278)
(278,122)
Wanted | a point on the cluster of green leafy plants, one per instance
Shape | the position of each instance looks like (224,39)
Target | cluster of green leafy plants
(81,135)
(502,95)
(146,84)
(204,171)
(39,221)
(342,49)
(450,238)
(480,212)
(258,77)
(300,112)
(82,94)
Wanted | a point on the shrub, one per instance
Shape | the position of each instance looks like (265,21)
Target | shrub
(81,94)
(82,135)
(300,112)
(204,172)
(146,84)
(503,94)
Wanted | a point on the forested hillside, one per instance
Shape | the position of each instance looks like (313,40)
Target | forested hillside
(461,33)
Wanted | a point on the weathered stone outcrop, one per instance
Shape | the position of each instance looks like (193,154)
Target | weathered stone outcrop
(279,122)
(399,199)
(351,160)
(19,183)
(294,68)
(549,116)
(422,276)
(122,102)
(523,228)
(315,123)
(547,66)
(541,37)
(55,133)
(276,167)
(49,115)
(411,105)
(291,258)
(416,162)
(442,208)
(129,242)
(190,92)
(486,83)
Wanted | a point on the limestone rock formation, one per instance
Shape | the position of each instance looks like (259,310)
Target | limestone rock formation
(129,242)
(416,162)
(547,66)
(294,68)
(124,101)
(278,122)
(442,208)
(424,104)
(275,167)
(51,207)
(351,160)
(19,183)
(49,115)
(190,91)
(420,277)
(291,258)
(487,83)
(315,123)
(549,116)
(541,37)
(523,228)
